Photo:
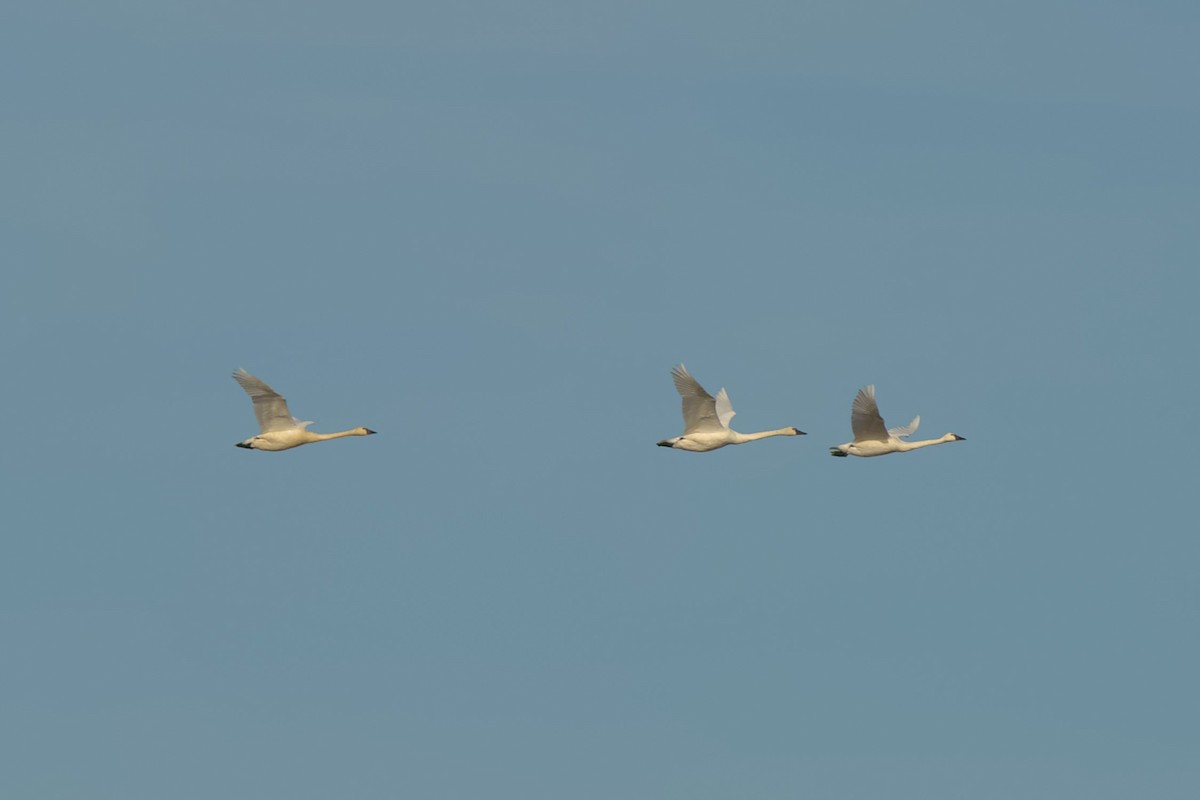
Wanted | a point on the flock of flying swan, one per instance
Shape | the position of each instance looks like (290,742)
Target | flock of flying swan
(705,423)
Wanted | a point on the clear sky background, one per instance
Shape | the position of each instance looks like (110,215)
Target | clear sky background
(487,230)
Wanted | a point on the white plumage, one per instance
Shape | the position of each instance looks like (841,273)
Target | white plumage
(706,418)
(873,438)
(278,429)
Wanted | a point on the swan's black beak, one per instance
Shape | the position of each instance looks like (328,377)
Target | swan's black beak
(369,431)
(663,443)
(243,444)
(799,432)
(958,438)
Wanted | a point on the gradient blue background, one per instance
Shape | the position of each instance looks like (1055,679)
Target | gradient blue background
(488,230)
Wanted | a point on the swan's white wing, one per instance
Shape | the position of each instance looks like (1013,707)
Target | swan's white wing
(906,430)
(699,407)
(269,406)
(724,409)
(864,417)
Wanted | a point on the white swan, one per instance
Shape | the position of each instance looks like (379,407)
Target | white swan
(871,438)
(706,418)
(279,430)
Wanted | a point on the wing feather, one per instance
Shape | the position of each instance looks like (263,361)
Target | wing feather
(906,430)
(864,417)
(699,407)
(724,409)
(270,407)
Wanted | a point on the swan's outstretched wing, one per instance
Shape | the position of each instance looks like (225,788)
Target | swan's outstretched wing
(906,430)
(269,406)
(864,417)
(699,407)
(725,410)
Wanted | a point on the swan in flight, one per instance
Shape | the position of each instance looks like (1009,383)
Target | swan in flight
(706,418)
(279,430)
(871,438)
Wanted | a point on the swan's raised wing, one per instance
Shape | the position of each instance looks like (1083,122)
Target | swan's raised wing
(699,407)
(724,408)
(269,406)
(906,430)
(864,417)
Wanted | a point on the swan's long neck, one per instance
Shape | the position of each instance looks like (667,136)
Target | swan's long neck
(906,446)
(325,437)
(739,438)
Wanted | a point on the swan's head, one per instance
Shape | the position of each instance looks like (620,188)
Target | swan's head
(361,431)
(954,437)
(797,432)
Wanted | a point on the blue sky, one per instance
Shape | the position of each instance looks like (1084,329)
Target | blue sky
(487,231)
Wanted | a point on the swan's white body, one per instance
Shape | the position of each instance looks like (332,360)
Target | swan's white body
(279,430)
(872,438)
(706,419)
